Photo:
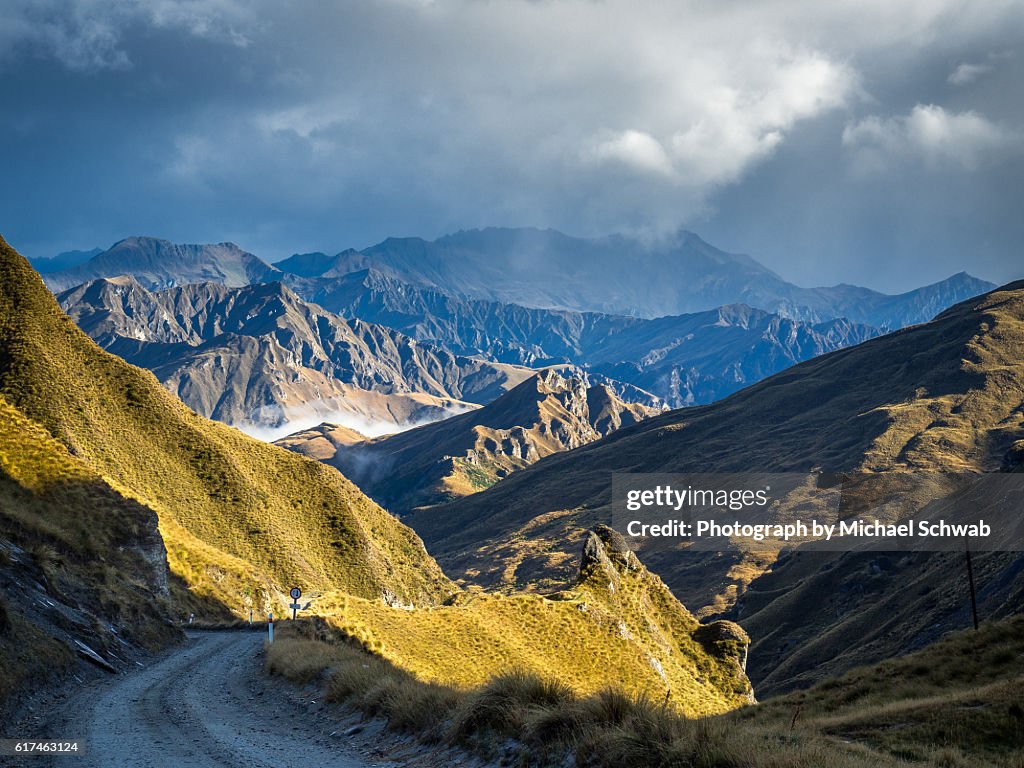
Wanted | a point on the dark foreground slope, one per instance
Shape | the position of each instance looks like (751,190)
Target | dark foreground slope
(82,566)
(241,520)
(945,396)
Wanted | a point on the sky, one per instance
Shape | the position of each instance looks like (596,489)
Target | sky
(866,141)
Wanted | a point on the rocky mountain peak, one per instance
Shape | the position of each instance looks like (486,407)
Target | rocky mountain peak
(606,553)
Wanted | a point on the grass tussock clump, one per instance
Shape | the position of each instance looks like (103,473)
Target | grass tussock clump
(541,719)
(300,660)
(505,704)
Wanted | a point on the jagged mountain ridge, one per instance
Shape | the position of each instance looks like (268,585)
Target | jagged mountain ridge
(684,360)
(946,396)
(687,359)
(260,354)
(546,414)
(541,268)
(620,275)
(157,264)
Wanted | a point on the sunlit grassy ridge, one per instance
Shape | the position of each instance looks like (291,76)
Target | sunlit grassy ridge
(619,626)
(240,518)
(954,705)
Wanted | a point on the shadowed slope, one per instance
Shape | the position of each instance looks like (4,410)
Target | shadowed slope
(945,395)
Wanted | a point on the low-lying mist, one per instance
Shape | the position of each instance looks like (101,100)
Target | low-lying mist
(310,416)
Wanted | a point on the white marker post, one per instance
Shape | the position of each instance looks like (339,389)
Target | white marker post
(296,593)
(270,625)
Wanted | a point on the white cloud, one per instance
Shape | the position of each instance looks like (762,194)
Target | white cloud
(304,121)
(312,415)
(737,119)
(967,73)
(637,150)
(743,126)
(931,134)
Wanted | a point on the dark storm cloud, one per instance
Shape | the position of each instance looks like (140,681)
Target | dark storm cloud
(841,141)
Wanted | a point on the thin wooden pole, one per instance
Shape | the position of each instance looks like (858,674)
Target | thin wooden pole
(970,581)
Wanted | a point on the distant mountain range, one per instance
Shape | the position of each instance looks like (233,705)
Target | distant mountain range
(161,264)
(546,414)
(624,276)
(261,356)
(683,360)
(539,269)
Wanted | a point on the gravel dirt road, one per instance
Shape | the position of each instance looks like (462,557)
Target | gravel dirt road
(209,704)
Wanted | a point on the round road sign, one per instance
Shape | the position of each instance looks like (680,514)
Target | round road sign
(296,593)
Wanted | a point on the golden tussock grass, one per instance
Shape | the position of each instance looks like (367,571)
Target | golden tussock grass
(235,513)
(956,705)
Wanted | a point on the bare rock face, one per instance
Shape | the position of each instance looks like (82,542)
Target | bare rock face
(260,356)
(725,639)
(606,557)
(606,544)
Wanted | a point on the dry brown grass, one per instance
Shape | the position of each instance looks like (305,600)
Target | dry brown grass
(956,705)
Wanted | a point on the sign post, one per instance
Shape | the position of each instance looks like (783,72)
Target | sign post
(270,625)
(296,593)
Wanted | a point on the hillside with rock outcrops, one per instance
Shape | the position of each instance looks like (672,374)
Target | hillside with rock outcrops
(544,415)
